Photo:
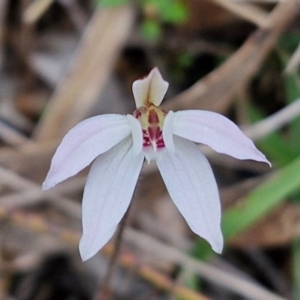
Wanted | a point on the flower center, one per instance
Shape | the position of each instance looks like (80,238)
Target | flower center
(151,119)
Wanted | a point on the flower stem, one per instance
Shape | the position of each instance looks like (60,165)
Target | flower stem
(105,292)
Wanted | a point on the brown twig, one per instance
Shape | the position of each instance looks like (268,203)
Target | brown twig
(35,10)
(91,67)
(127,260)
(294,61)
(246,11)
(157,249)
(234,283)
(274,122)
(215,91)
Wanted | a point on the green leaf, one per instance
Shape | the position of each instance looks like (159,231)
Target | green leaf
(289,41)
(175,12)
(169,11)
(150,30)
(202,250)
(262,200)
(111,3)
(255,206)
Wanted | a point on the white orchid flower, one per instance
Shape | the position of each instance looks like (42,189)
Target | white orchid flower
(117,145)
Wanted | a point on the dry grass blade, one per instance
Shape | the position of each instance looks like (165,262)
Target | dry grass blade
(29,193)
(215,91)
(35,10)
(148,244)
(246,11)
(28,156)
(91,67)
(171,254)
(127,260)
(294,61)
(11,136)
(236,284)
(274,122)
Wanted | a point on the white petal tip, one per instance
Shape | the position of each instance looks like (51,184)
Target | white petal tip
(218,249)
(259,156)
(47,185)
(86,252)
(267,162)
(85,257)
(217,245)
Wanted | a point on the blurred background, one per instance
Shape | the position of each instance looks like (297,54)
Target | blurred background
(62,61)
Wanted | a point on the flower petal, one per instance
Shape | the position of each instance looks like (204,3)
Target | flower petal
(192,186)
(137,134)
(216,131)
(168,131)
(107,194)
(150,89)
(83,144)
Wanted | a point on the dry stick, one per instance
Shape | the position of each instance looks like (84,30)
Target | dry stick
(207,272)
(35,10)
(30,193)
(174,255)
(233,283)
(215,91)
(93,63)
(148,244)
(247,11)
(129,261)
(273,122)
(11,136)
(18,182)
(294,61)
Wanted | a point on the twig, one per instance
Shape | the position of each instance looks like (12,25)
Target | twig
(11,136)
(215,91)
(93,63)
(171,254)
(233,283)
(267,267)
(35,10)
(30,193)
(294,62)
(246,11)
(274,122)
(127,260)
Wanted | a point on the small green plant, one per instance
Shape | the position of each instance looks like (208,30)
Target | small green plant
(156,13)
